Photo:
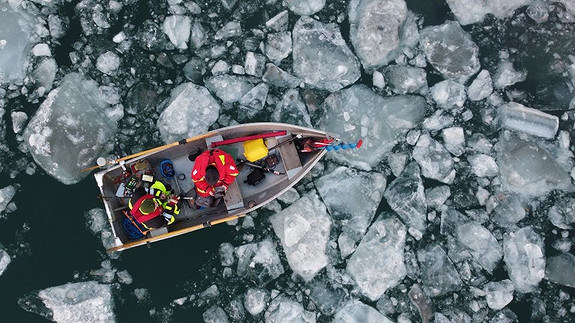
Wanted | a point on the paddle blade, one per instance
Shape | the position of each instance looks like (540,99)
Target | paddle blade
(359,143)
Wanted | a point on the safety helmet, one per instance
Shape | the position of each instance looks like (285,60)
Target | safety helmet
(147,206)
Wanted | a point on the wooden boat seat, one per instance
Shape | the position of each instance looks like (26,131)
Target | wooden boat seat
(290,158)
(233,197)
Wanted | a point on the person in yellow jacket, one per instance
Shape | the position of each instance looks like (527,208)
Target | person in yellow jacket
(147,205)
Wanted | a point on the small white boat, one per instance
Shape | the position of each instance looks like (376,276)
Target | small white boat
(283,141)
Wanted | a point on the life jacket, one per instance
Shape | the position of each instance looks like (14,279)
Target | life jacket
(157,189)
(141,217)
(225,164)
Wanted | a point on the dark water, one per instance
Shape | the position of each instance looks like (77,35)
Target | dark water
(51,245)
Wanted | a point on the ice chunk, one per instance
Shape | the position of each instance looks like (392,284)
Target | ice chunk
(434,160)
(481,244)
(353,204)
(483,165)
(178,28)
(569,5)
(73,302)
(220,67)
(108,62)
(562,214)
(198,35)
(406,79)
(283,309)
(15,42)
(374,29)
(278,46)
(6,195)
(499,294)
(70,130)
(304,229)
(254,64)
(528,169)
(448,94)
(229,88)
(378,79)
(19,119)
(377,264)
(278,22)
(481,87)
(215,314)
(406,197)
(507,75)
(255,99)
(231,29)
(508,210)
(227,254)
(454,140)
(438,120)
(304,7)
(524,259)
(516,116)
(45,73)
(560,269)
(355,311)
(190,111)
(422,302)
(321,57)
(451,51)
(438,273)
(279,78)
(259,262)
(4,260)
(289,196)
(327,296)
(291,109)
(195,69)
(470,11)
(380,121)
(437,196)
(255,300)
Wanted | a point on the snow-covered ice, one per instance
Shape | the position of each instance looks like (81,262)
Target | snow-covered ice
(283,309)
(304,229)
(481,87)
(189,112)
(255,300)
(448,94)
(70,129)
(6,195)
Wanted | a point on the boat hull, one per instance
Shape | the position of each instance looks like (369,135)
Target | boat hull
(241,197)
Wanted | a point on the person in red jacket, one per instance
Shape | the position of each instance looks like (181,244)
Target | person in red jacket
(214,170)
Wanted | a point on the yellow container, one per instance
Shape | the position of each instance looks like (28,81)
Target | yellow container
(255,149)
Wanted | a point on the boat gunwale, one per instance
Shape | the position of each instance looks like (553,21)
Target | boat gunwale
(234,214)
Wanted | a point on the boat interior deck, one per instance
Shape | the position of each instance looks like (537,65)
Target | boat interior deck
(240,195)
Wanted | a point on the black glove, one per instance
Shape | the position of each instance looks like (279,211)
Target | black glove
(219,191)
